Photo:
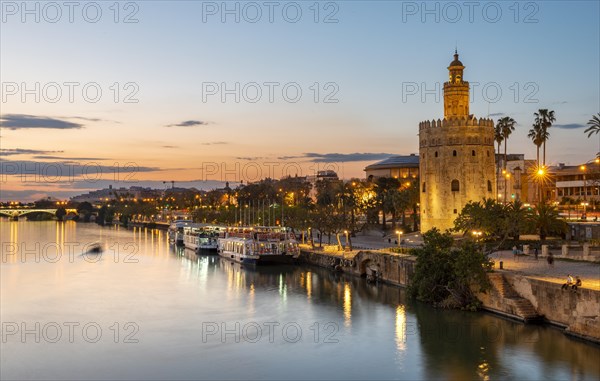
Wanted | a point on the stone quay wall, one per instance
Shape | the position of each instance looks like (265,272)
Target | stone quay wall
(576,311)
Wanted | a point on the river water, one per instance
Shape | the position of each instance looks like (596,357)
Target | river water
(143,310)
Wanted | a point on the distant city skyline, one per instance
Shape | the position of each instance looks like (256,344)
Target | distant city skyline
(193,92)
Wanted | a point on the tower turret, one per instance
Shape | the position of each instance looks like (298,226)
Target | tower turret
(456,91)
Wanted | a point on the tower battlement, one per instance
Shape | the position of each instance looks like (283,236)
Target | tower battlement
(457,122)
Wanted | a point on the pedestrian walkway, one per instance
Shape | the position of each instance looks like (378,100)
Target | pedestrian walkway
(589,272)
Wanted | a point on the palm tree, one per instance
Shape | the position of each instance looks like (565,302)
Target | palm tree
(498,138)
(506,125)
(546,220)
(545,119)
(594,127)
(516,219)
(535,134)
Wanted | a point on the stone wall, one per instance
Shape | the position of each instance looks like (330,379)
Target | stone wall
(385,267)
(577,311)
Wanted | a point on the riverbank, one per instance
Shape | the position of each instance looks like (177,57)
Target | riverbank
(527,297)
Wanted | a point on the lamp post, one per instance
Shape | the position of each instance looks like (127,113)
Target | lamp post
(583,169)
(282,201)
(540,173)
(399,232)
(347,246)
(584,215)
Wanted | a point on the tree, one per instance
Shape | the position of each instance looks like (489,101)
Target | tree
(498,137)
(60,213)
(507,126)
(517,219)
(84,208)
(544,119)
(594,125)
(535,134)
(546,221)
(487,216)
(594,128)
(385,188)
(446,276)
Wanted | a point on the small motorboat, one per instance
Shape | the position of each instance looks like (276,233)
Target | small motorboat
(95,248)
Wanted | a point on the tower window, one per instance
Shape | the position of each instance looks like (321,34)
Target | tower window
(454,153)
(488,153)
(489,186)
(424,155)
(424,187)
(436,154)
(455,186)
(455,211)
(473,153)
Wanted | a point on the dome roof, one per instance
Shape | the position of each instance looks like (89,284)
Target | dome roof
(456,61)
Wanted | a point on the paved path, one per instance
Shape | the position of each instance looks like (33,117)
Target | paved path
(557,273)
(524,264)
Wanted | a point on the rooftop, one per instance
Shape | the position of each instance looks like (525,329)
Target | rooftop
(407,161)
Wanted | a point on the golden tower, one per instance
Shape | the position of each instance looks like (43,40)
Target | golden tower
(457,158)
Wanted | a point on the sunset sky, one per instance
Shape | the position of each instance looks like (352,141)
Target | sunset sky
(366,76)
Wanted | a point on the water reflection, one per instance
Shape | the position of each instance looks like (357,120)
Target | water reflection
(366,330)
(400,328)
(347,305)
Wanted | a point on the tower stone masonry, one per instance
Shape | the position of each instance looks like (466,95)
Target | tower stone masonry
(457,157)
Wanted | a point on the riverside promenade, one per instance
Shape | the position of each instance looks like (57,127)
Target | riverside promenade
(525,289)
(526,265)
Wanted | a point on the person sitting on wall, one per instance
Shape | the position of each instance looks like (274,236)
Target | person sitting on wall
(570,282)
(577,283)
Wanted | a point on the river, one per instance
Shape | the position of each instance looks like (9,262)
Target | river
(144,310)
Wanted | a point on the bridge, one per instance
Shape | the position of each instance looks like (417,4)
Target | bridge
(16,213)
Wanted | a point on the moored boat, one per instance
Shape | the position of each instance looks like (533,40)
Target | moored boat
(202,238)
(258,245)
(175,232)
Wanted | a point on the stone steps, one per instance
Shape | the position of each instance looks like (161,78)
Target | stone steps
(522,307)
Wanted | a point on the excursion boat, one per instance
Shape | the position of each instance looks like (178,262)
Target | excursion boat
(203,238)
(175,232)
(258,245)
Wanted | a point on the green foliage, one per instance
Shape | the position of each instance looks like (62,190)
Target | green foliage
(446,276)
(60,213)
(546,221)
(488,217)
(594,125)
(85,208)
(497,221)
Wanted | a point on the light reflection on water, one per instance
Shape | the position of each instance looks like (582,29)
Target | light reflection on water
(348,329)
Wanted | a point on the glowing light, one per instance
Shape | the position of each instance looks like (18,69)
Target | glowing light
(347,305)
(401,328)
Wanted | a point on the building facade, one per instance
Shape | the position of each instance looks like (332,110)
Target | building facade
(457,157)
(516,182)
(577,182)
(398,167)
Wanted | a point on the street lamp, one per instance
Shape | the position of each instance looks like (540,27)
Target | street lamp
(347,247)
(584,215)
(583,169)
(399,232)
(540,174)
